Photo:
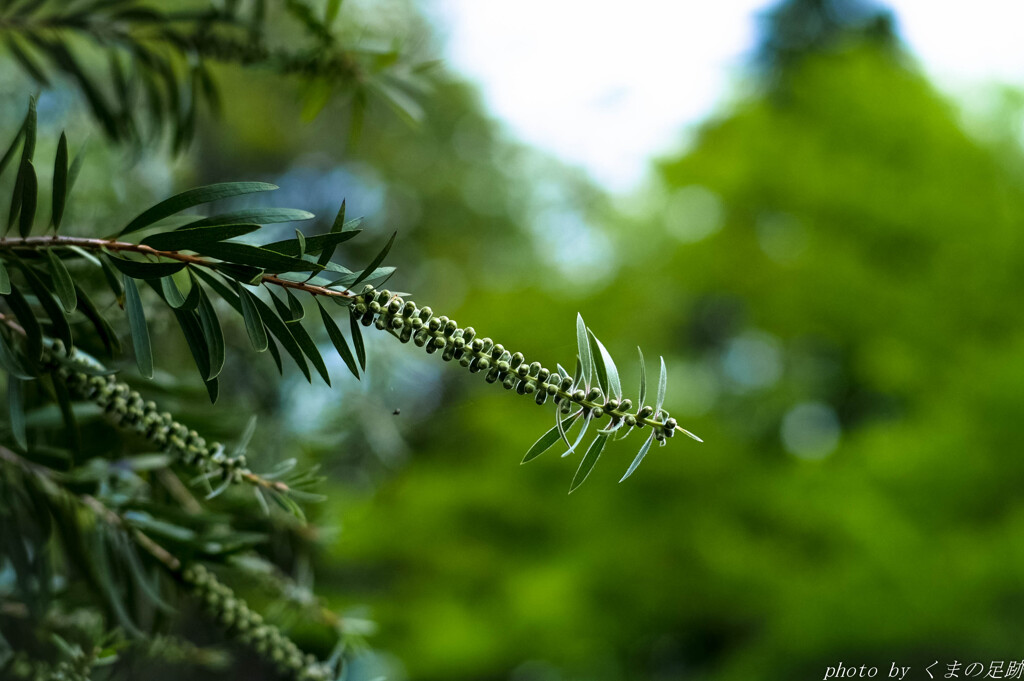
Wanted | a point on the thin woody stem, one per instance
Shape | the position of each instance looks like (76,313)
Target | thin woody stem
(34,243)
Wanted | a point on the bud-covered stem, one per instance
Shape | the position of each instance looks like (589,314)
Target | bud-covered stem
(405,321)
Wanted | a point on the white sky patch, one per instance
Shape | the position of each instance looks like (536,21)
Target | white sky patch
(607,86)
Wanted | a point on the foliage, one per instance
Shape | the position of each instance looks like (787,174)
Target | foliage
(111,548)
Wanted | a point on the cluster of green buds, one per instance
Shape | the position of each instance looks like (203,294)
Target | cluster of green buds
(128,409)
(21,667)
(404,320)
(247,627)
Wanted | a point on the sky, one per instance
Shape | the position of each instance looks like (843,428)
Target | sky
(608,88)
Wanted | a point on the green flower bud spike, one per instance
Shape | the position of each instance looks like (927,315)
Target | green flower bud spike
(594,393)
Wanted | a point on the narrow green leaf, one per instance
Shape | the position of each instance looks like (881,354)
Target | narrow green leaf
(172,294)
(60,181)
(318,243)
(67,413)
(376,261)
(29,199)
(302,338)
(145,270)
(196,238)
(28,151)
(583,347)
(11,149)
(662,387)
(339,220)
(255,256)
(643,379)
(211,331)
(280,330)
(197,345)
(140,332)
(588,462)
(193,197)
(548,439)
(188,285)
(33,332)
(9,361)
(113,281)
(103,329)
(62,282)
(579,437)
(5,279)
(61,329)
(338,339)
(276,355)
(253,324)
(357,340)
(300,240)
(639,457)
(16,410)
(600,371)
(295,308)
(606,366)
(258,216)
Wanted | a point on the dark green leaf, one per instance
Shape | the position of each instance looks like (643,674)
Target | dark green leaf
(16,410)
(376,261)
(255,256)
(29,199)
(339,226)
(193,197)
(60,181)
(302,338)
(145,270)
(300,241)
(639,457)
(11,149)
(62,282)
(589,459)
(242,273)
(113,281)
(211,331)
(9,361)
(67,413)
(338,339)
(171,293)
(276,354)
(5,279)
(197,344)
(357,340)
(61,329)
(295,309)
(33,333)
(548,439)
(140,332)
(259,216)
(196,238)
(318,243)
(106,333)
(281,331)
(253,324)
